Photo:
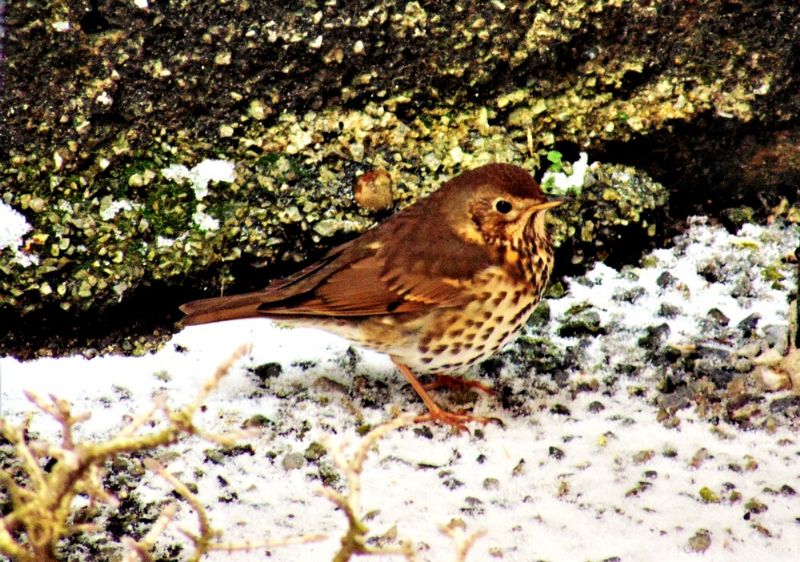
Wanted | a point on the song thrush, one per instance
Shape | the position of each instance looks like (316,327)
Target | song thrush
(439,286)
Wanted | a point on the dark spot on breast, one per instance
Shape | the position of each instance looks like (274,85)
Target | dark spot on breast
(424,349)
(516,297)
(469,323)
(439,349)
(501,296)
(518,316)
(470,336)
(487,315)
(426,360)
(426,340)
(455,350)
(456,333)
(467,346)
(448,366)
(505,335)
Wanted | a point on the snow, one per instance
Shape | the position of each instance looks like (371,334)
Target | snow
(560,183)
(13,227)
(201,174)
(594,484)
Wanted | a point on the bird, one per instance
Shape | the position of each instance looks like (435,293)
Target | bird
(439,286)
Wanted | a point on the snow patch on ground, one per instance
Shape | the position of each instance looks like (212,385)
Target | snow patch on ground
(601,482)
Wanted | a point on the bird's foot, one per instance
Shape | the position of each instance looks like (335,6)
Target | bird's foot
(458,383)
(456,420)
(435,412)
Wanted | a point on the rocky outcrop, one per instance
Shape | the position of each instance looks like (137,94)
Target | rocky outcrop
(109,107)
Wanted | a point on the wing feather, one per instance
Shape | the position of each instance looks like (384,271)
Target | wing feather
(412,262)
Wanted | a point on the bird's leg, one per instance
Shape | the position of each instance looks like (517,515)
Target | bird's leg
(458,383)
(435,412)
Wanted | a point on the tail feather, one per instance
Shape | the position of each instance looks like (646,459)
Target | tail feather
(218,309)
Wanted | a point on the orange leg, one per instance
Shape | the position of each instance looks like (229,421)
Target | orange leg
(435,412)
(457,383)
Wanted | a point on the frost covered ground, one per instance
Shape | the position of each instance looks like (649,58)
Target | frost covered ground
(634,426)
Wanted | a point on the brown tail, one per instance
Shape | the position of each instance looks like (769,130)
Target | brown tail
(204,311)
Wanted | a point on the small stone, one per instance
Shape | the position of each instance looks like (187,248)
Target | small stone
(629,295)
(596,406)
(256,110)
(316,43)
(700,457)
(750,350)
(708,495)
(700,541)
(491,484)
(225,131)
(267,371)
(777,336)
(667,310)
(749,324)
(709,271)
(718,317)
(540,315)
(754,505)
(314,452)
(214,456)
(257,420)
(293,461)
(474,506)
(373,191)
(733,218)
(774,380)
(788,405)
(654,336)
(556,453)
(586,323)
(638,489)
(665,280)
(222,58)
(334,55)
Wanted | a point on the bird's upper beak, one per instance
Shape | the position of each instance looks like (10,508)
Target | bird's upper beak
(550,204)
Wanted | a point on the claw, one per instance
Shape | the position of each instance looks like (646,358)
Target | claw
(457,421)
(435,412)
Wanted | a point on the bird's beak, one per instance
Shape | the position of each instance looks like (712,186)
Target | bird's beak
(550,204)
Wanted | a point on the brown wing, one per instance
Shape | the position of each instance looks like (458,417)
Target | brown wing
(410,263)
(352,284)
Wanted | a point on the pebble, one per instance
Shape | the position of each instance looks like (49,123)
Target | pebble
(666,279)
(777,337)
(293,461)
(700,541)
(373,191)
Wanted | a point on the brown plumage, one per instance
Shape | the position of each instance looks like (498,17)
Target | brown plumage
(439,286)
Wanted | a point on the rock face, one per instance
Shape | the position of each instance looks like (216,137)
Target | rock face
(100,98)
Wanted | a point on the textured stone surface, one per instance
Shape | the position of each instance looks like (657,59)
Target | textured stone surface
(98,98)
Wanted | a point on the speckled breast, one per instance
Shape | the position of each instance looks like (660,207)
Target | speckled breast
(454,339)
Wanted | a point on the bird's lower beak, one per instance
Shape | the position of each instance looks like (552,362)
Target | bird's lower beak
(550,204)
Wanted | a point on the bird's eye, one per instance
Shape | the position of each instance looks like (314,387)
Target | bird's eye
(502,206)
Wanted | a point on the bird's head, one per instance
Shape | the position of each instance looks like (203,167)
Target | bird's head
(504,205)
